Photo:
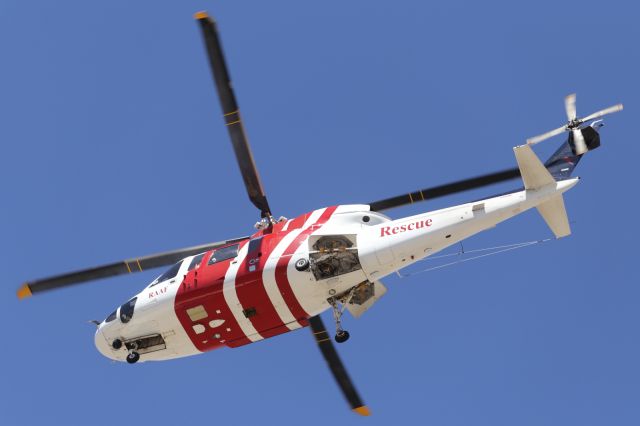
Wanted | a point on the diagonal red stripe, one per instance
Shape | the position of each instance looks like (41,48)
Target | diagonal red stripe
(281,268)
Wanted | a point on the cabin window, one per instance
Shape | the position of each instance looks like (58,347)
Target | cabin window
(126,310)
(170,273)
(196,261)
(224,253)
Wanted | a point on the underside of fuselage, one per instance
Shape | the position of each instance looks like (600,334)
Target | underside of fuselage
(247,291)
(274,281)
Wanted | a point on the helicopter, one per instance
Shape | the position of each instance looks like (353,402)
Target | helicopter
(282,277)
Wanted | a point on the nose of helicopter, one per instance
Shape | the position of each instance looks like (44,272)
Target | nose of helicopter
(101,343)
(103,346)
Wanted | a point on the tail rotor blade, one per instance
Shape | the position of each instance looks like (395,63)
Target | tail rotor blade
(537,139)
(579,142)
(337,368)
(570,106)
(574,122)
(603,112)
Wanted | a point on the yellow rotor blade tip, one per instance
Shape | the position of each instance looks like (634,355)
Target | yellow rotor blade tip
(24,291)
(363,411)
(201,15)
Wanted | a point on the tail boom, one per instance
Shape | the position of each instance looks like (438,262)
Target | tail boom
(393,245)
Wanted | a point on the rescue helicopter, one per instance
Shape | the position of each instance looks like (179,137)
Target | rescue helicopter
(282,277)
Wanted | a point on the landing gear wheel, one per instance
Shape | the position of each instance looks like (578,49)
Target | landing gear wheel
(133,357)
(342,336)
(117,344)
(302,265)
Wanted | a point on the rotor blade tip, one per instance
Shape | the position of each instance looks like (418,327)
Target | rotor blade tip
(24,292)
(201,15)
(363,411)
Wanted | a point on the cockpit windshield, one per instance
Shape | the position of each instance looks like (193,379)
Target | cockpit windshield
(126,310)
(111,316)
(195,262)
(170,273)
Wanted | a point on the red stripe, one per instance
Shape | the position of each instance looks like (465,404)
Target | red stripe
(252,292)
(281,268)
(204,286)
(298,222)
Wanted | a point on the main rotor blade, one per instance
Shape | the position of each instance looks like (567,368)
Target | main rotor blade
(570,106)
(603,112)
(128,266)
(231,114)
(447,189)
(537,139)
(337,368)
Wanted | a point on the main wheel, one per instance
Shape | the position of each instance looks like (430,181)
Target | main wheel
(133,357)
(117,344)
(342,336)
(302,265)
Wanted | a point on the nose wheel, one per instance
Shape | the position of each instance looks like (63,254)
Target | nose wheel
(133,357)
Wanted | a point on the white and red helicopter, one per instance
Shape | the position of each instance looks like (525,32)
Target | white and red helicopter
(281,278)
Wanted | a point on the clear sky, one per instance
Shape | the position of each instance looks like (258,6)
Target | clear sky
(113,147)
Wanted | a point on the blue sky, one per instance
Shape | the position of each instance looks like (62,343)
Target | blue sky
(113,147)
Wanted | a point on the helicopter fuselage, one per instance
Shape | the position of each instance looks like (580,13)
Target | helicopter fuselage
(274,281)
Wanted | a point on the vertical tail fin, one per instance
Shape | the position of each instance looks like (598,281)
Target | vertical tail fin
(535,176)
(565,159)
(562,162)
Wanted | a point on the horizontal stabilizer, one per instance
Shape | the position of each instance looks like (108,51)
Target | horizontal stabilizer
(555,215)
(534,174)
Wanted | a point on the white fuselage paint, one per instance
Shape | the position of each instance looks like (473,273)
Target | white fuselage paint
(154,314)
(383,252)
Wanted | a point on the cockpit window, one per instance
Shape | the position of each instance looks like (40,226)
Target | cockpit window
(126,310)
(111,317)
(196,261)
(170,273)
(224,253)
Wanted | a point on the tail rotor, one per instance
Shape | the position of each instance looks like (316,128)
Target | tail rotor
(574,124)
